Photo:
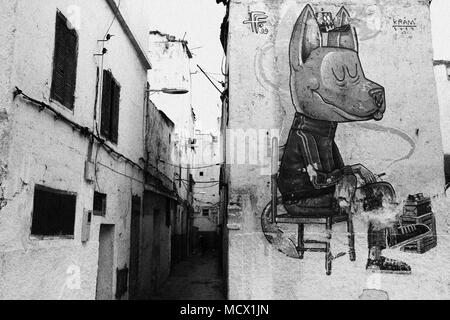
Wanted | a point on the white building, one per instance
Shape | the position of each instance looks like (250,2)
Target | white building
(395,51)
(71,147)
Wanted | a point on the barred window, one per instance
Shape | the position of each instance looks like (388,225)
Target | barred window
(53,212)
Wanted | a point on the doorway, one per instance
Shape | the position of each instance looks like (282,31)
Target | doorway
(105,270)
(156,250)
(134,245)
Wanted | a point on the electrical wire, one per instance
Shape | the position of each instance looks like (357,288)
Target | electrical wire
(207,187)
(112,22)
(207,202)
(84,131)
(192,168)
(201,182)
(206,75)
(213,74)
(214,78)
(119,173)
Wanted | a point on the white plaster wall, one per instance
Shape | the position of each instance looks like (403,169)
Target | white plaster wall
(406,144)
(45,151)
(6,56)
(160,144)
(137,13)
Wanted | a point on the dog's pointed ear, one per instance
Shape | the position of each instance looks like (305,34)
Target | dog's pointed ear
(349,39)
(306,37)
(344,35)
(342,18)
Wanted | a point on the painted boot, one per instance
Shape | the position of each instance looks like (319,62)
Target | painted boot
(386,265)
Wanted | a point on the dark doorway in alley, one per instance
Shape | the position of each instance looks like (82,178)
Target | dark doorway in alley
(134,245)
(156,256)
(105,263)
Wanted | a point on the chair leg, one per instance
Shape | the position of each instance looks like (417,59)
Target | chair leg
(328,257)
(300,240)
(351,239)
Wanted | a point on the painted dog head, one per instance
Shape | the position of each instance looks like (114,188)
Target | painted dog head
(327,79)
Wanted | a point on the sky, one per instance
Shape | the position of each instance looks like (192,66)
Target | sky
(440,11)
(198,22)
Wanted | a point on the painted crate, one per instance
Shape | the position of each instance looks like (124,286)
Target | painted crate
(417,205)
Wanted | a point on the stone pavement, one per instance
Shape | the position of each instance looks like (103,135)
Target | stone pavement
(196,278)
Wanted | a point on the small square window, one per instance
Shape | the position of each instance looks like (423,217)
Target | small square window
(53,212)
(99,204)
(205,212)
(202,173)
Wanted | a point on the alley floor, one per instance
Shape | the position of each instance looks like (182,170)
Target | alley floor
(196,278)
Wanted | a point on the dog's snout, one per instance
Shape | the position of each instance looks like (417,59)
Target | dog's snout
(378,97)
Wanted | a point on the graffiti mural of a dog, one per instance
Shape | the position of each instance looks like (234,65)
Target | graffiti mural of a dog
(329,86)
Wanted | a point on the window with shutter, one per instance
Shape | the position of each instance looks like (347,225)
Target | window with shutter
(53,212)
(106,105)
(64,63)
(115,112)
(110,107)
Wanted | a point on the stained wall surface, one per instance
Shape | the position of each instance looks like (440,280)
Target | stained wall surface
(395,51)
(37,149)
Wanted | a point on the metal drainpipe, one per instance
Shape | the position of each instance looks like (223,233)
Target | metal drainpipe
(275,156)
(146,121)
(97,106)
(100,94)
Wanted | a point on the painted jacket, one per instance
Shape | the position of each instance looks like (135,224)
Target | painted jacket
(311,164)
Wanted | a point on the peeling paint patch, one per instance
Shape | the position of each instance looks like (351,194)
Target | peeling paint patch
(4,201)
(3,172)
(3,115)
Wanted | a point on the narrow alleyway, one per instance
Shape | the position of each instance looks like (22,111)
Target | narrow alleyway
(196,278)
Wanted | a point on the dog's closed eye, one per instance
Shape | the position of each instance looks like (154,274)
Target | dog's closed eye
(356,72)
(339,79)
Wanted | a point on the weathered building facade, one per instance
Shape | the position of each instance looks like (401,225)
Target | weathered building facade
(170,90)
(259,105)
(161,230)
(73,87)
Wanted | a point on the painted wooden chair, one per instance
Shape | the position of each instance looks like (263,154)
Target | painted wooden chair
(318,215)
